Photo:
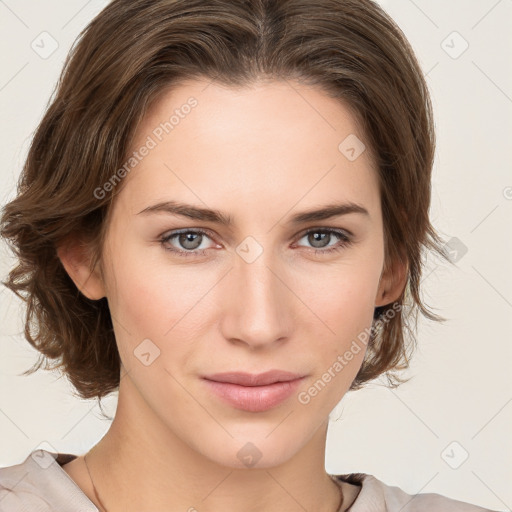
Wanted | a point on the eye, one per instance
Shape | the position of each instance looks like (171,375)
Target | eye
(190,240)
(319,238)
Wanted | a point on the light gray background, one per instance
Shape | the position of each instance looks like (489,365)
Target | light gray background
(459,401)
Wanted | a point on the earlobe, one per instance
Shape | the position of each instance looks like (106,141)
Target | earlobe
(75,258)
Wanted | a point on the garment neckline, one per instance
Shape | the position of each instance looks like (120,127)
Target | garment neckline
(63,458)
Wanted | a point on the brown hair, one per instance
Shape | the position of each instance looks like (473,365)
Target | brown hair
(122,62)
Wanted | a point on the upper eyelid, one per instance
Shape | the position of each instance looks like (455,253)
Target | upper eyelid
(175,232)
(344,231)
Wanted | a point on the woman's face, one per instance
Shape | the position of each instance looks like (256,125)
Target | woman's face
(266,291)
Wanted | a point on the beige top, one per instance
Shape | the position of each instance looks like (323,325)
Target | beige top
(40,484)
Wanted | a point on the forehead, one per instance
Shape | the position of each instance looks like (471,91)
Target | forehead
(273,143)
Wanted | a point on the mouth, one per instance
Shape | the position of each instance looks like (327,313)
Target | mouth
(254,379)
(254,392)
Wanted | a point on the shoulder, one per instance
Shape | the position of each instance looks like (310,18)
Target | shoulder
(39,483)
(376,496)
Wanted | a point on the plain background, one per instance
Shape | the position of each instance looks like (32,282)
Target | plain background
(448,429)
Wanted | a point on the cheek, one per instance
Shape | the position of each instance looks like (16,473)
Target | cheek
(343,297)
(343,300)
(158,299)
(138,293)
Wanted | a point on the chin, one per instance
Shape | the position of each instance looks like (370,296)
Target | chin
(260,447)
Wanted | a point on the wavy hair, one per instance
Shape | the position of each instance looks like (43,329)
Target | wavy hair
(123,61)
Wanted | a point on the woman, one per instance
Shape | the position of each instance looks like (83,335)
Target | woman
(222,217)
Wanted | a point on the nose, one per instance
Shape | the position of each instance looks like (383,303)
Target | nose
(260,307)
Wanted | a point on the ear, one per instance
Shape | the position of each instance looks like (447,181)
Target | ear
(75,256)
(392,282)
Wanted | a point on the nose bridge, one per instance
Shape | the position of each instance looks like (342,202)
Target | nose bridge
(258,307)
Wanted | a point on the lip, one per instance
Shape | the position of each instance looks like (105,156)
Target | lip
(254,379)
(254,392)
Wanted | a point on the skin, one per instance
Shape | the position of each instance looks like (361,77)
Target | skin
(259,154)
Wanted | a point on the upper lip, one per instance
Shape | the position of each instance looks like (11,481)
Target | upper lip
(253,379)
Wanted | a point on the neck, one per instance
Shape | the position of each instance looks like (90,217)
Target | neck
(167,473)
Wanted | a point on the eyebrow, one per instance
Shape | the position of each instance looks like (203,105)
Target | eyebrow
(218,217)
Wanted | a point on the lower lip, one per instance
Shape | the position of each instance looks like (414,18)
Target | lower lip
(254,398)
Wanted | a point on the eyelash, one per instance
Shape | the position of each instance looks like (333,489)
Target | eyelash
(344,241)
